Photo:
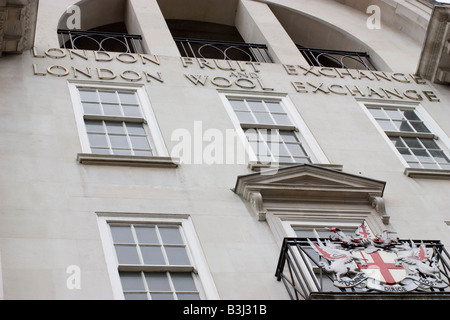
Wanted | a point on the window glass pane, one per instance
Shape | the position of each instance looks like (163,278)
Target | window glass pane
(251,134)
(97,140)
(135,128)
(445,166)
(269,135)
(403,126)
(429,144)
(124,152)
(177,255)
(302,160)
(132,111)
(422,155)
(119,141)
(183,281)
(288,136)
(127,254)
(256,106)
(152,255)
(143,153)
(115,127)
(394,114)
(162,296)
(238,105)
(263,118)
(111,109)
(245,117)
(94,126)
(100,151)
(157,281)
(413,142)
(430,166)
(274,107)
(122,234)
(414,165)
(91,108)
(146,235)
(139,142)
(279,149)
(406,154)
(282,119)
(88,95)
(128,98)
(410,115)
(296,149)
(135,296)
(378,113)
(439,156)
(397,142)
(188,296)
(108,97)
(387,125)
(420,127)
(171,235)
(131,281)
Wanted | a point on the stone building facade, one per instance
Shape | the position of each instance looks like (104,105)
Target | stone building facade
(164,149)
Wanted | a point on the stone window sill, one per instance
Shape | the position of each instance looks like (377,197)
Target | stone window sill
(427,173)
(121,160)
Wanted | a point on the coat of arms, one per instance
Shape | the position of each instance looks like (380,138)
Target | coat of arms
(380,263)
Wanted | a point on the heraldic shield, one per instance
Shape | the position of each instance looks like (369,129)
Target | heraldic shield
(379,263)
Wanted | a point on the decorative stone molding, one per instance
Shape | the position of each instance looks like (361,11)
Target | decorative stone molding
(434,61)
(256,202)
(309,184)
(17,25)
(380,208)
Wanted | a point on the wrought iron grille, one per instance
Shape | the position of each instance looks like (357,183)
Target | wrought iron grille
(337,59)
(100,41)
(303,273)
(223,50)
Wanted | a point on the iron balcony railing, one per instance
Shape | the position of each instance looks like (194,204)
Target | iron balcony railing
(100,41)
(337,58)
(223,50)
(307,276)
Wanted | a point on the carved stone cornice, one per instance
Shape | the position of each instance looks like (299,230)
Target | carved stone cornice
(17,25)
(434,62)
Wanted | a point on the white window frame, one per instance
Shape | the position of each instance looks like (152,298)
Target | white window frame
(442,140)
(201,273)
(307,139)
(291,225)
(155,136)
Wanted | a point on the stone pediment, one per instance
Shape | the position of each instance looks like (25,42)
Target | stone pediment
(309,183)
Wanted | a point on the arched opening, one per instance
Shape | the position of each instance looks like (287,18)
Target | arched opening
(321,43)
(211,40)
(100,25)
(206,29)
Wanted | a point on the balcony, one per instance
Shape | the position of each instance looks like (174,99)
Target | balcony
(223,50)
(337,58)
(417,270)
(100,41)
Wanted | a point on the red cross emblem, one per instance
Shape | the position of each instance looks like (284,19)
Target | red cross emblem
(381,266)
